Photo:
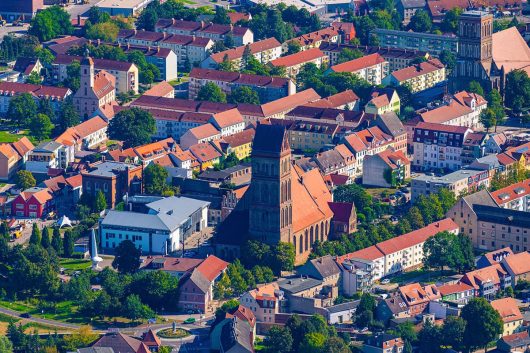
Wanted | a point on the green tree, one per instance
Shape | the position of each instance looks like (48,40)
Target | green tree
(407,348)
(476,87)
(278,340)
(68,243)
(243,94)
(313,342)
(453,332)
(134,126)
(50,23)
(222,289)
(57,241)
(68,115)
(488,118)
(154,179)
(450,21)
(483,323)
(212,93)
(36,236)
(134,309)
(448,58)
(5,345)
(127,257)
(34,78)
(82,337)
(100,202)
(367,303)
(73,76)
(284,256)
(430,339)
(347,54)
(336,345)
(25,180)
(420,21)
(226,64)
(46,240)
(293,47)
(158,289)
(517,91)
(495,103)
(22,109)
(221,16)
(40,127)
(45,107)
(415,218)
(106,31)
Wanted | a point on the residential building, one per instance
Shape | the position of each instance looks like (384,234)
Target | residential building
(459,293)
(88,135)
(47,155)
(517,342)
(206,155)
(26,66)
(393,307)
(493,257)
(518,266)
(474,148)
(294,62)
(397,58)
(33,203)
(438,146)
(13,157)
(216,32)
(323,268)
(346,100)
(356,275)
(309,136)
(188,49)
(265,301)
(200,134)
(157,152)
(264,51)
(12,10)
(96,90)
(127,8)
(314,39)
(461,109)
(407,8)
(386,169)
(418,298)
(196,289)
(383,343)
(116,342)
(390,124)
(425,42)
(114,179)
(372,68)
(125,73)
(344,219)
(418,77)
(239,143)
(401,253)
(8,90)
(228,122)
(511,316)
(460,182)
(383,101)
(268,88)
(237,175)
(235,333)
(349,160)
(487,281)
(514,197)
(168,222)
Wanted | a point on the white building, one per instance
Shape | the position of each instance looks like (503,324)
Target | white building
(46,155)
(372,68)
(462,109)
(264,301)
(168,222)
(514,197)
(228,122)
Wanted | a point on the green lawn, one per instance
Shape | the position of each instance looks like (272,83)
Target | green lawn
(17,306)
(7,318)
(75,264)
(6,137)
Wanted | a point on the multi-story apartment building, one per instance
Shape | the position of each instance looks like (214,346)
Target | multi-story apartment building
(13,157)
(407,8)
(397,58)
(268,88)
(371,68)
(216,32)
(438,146)
(383,101)
(265,301)
(305,135)
(188,49)
(427,42)
(43,157)
(514,197)
(315,39)
(264,51)
(8,90)
(460,109)
(460,182)
(126,73)
(418,77)
(487,281)
(386,169)
(294,62)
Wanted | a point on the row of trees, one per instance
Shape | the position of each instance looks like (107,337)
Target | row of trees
(237,279)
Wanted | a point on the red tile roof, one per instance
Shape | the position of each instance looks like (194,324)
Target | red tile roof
(360,63)
(298,58)
(448,289)
(507,309)
(204,152)
(255,47)
(418,70)
(38,91)
(511,192)
(370,253)
(212,267)
(228,118)
(519,264)
(441,127)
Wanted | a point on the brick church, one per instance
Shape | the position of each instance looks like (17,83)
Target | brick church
(282,204)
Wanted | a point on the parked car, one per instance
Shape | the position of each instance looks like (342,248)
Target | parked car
(385,281)
(25,315)
(190,320)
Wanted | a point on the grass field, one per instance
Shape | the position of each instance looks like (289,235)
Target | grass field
(17,306)
(6,137)
(75,264)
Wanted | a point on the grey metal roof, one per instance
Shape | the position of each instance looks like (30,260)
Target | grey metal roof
(49,146)
(389,122)
(482,197)
(109,168)
(501,215)
(449,178)
(326,266)
(96,350)
(298,284)
(134,220)
(343,307)
(411,4)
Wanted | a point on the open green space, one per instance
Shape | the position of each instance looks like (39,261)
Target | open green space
(7,137)
(168,333)
(75,264)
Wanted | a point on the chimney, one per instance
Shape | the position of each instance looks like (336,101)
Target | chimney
(202,24)
(79,20)
(135,32)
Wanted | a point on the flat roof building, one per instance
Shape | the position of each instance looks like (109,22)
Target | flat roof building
(123,7)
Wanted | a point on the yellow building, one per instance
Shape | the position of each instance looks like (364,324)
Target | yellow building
(304,135)
(239,143)
(383,101)
(206,155)
(511,316)
(418,77)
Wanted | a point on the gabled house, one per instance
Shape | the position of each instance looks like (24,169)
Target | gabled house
(459,292)
(487,281)
(196,289)
(118,342)
(33,203)
(13,156)
(323,268)
(418,297)
(511,316)
(265,301)
(235,332)
(518,266)
(344,219)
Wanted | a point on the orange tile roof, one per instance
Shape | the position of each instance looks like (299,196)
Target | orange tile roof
(298,58)
(104,83)
(23,146)
(75,181)
(157,148)
(359,63)
(448,289)
(418,70)
(228,118)
(391,158)
(255,47)
(212,267)
(324,34)
(204,131)
(241,138)
(370,253)
(55,184)
(507,309)
(414,293)
(509,50)
(161,89)
(490,273)
(457,107)
(335,101)
(380,101)
(289,102)
(7,150)
(511,192)
(518,263)
(204,152)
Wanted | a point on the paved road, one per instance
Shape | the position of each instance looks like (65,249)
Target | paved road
(39,320)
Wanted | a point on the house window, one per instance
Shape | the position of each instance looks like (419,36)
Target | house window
(32,207)
(20,206)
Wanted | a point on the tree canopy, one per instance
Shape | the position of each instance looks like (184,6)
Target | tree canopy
(212,93)
(127,257)
(134,127)
(50,23)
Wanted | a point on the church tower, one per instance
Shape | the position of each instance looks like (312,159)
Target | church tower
(271,204)
(87,74)
(475,29)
